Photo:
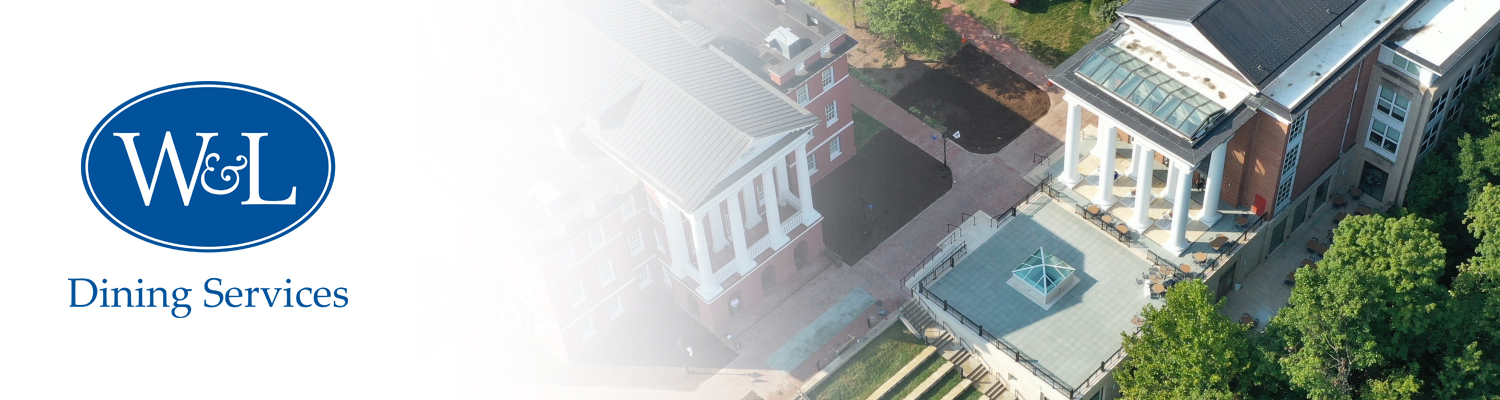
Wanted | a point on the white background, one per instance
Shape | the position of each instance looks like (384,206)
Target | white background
(407,94)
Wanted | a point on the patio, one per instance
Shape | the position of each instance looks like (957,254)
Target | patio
(1235,223)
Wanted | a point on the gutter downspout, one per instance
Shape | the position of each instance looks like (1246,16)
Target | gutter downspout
(1349,117)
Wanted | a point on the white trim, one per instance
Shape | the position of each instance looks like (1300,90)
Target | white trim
(835,118)
(585,335)
(791,240)
(835,84)
(835,134)
(835,147)
(609,265)
(639,239)
(582,297)
(617,307)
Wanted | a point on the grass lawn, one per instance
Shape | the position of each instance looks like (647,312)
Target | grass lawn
(1051,30)
(941,388)
(916,378)
(875,363)
(865,127)
(971,394)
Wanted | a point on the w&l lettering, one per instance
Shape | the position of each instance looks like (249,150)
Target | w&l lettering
(186,186)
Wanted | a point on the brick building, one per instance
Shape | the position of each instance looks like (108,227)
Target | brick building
(1223,127)
(685,139)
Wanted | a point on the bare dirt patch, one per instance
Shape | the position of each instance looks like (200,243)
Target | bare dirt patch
(974,94)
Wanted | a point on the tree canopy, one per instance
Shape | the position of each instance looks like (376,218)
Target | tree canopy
(1185,349)
(916,25)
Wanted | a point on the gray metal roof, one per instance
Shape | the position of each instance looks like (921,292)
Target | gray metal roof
(1137,122)
(693,115)
(1260,37)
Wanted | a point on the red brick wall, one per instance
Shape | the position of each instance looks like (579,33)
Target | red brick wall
(1330,122)
(716,316)
(1254,164)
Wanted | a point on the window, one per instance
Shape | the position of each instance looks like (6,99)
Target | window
(1393,104)
(629,208)
(760,194)
(566,257)
(1283,193)
(1322,194)
(831,111)
(643,276)
(802,95)
(828,78)
(1290,162)
(1153,91)
(835,148)
(576,294)
(1406,65)
(606,273)
(651,208)
(1429,136)
(1298,125)
(596,237)
(636,243)
(586,328)
(660,246)
(812,162)
(616,307)
(1384,136)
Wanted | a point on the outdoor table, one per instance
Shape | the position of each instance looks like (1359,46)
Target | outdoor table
(1218,242)
(1200,257)
(1155,279)
(1137,321)
(1362,210)
(1186,269)
(1241,221)
(1124,230)
(1314,246)
(1158,288)
(1247,319)
(1309,264)
(1291,276)
(1355,193)
(1339,217)
(1093,210)
(1338,201)
(1107,218)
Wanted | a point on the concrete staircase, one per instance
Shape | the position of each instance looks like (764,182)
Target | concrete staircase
(916,317)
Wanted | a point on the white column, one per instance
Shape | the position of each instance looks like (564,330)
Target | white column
(716,225)
(1142,218)
(783,188)
(676,241)
(747,197)
(1070,174)
(773,213)
(1105,152)
(737,237)
(1169,193)
(804,188)
(708,287)
(1135,160)
(1211,186)
(1178,242)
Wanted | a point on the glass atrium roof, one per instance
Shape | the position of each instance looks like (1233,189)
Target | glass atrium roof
(1043,271)
(1151,90)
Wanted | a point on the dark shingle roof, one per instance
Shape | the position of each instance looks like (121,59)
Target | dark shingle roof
(1260,37)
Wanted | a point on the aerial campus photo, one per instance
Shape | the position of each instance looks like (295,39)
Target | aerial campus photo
(1006,199)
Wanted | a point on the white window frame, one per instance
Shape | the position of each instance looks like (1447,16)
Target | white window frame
(577,294)
(644,276)
(1290,160)
(628,209)
(802,97)
(586,327)
(812,162)
(606,273)
(835,147)
(760,193)
(1405,64)
(662,247)
(1378,143)
(616,307)
(597,238)
(652,208)
(831,112)
(828,78)
(637,242)
(567,258)
(1392,107)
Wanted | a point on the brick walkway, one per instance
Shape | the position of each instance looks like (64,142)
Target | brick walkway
(989,182)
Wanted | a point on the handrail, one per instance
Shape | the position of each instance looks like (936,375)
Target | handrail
(1238,243)
(1010,350)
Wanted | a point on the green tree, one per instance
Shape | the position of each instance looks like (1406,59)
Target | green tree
(916,25)
(1186,349)
(1367,312)
(1469,367)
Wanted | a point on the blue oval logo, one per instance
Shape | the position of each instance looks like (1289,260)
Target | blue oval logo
(208,166)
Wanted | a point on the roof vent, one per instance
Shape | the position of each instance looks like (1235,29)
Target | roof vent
(786,42)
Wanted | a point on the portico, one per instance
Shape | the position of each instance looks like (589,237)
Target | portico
(1158,195)
(752,218)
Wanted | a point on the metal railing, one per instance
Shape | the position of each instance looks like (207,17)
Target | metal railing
(1026,362)
(1238,243)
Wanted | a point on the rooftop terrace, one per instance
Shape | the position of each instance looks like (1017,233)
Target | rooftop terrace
(1083,326)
